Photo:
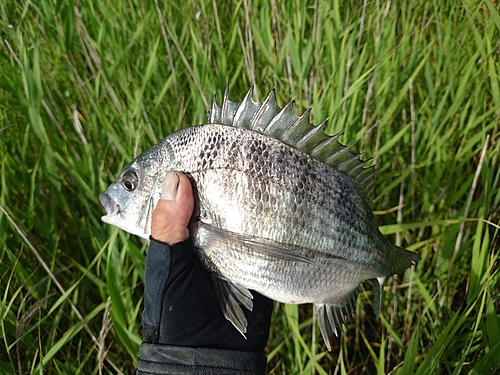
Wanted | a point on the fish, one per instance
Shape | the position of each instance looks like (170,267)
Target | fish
(281,208)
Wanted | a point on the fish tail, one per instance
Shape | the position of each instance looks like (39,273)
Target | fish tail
(401,260)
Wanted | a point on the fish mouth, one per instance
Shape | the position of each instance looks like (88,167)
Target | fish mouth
(110,205)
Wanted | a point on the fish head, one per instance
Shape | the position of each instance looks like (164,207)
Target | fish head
(130,200)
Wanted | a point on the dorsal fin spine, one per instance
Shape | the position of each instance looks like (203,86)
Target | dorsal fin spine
(267,110)
(315,131)
(333,159)
(326,148)
(225,104)
(350,165)
(245,110)
(293,134)
(278,123)
(214,113)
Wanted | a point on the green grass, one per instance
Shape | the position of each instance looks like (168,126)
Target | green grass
(85,86)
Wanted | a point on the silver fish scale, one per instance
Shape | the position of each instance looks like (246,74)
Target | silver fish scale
(227,148)
(251,184)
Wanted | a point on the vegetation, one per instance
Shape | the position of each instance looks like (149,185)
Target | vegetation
(87,85)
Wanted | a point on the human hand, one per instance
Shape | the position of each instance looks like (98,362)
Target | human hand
(174,209)
(181,304)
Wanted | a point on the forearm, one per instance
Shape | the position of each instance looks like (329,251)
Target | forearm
(185,331)
(168,359)
(158,261)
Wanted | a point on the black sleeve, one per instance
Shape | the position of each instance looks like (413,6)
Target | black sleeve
(156,274)
(181,360)
(185,330)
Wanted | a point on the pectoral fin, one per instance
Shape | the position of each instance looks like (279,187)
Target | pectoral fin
(212,237)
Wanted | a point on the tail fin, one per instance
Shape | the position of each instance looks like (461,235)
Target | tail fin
(401,259)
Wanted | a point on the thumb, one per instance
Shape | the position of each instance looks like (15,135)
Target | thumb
(174,209)
(170,186)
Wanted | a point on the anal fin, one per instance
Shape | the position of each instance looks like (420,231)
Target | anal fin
(377,296)
(333,317)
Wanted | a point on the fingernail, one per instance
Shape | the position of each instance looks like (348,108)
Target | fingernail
(170,185)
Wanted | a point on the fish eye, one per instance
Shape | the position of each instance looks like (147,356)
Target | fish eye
(130,180)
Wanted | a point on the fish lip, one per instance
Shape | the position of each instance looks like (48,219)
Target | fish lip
(109,205)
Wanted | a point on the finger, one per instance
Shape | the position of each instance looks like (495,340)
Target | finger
(173,212)
(177,200)
(170,186)
(184,197)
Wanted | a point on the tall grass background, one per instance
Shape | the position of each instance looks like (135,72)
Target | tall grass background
(87,85)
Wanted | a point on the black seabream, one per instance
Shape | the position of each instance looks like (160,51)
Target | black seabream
(282,209)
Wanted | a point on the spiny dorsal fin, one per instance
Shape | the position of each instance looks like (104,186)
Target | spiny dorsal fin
(270,119)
